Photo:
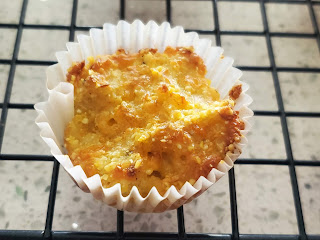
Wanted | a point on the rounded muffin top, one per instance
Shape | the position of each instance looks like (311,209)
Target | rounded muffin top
(149,119)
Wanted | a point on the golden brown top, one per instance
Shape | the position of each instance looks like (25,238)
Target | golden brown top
(149,119)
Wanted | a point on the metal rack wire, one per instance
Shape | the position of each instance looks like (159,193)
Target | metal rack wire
(48,233)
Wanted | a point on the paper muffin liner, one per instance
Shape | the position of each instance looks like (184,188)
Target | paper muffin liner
(55,113)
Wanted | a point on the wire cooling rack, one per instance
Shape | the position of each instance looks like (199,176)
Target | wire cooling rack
(48,233)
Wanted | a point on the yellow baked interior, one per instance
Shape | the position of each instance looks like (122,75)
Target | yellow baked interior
(149,119)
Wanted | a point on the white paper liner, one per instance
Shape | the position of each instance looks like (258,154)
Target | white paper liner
(55,114)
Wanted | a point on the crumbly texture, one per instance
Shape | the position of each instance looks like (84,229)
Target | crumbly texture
(149,119)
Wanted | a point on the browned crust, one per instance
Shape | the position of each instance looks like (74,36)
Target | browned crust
(235,92)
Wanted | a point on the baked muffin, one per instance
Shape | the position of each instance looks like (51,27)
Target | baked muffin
(149,119)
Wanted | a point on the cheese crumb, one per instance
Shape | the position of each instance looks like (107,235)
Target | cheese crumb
(85,121)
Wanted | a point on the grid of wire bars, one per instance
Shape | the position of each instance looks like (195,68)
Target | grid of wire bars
(48,233)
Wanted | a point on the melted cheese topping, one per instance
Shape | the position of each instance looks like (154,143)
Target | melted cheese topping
(148,119)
